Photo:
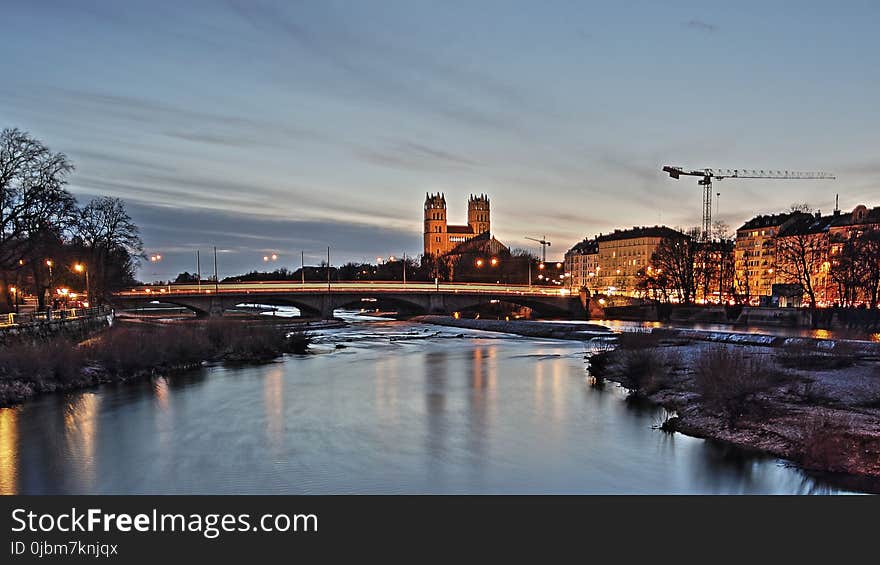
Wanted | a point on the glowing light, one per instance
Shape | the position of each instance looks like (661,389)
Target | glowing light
(79,267)
(479,262)
(494,261)
(49,262)
(602,301)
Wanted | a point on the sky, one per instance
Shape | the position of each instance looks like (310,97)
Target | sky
(267,127)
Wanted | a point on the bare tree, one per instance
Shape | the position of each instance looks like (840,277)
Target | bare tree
(34,205)
(675,258)
(847,270)
(799,259)
(869,257)
(112,241)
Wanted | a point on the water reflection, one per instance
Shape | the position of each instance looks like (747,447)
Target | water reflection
(273,399)
(436,412)
(8,450)
(80,429)
(466,415)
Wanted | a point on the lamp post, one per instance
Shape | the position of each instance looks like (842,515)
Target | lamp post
(81,268)
(14,291)
(50,264)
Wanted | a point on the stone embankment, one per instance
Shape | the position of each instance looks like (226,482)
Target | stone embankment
(72,324)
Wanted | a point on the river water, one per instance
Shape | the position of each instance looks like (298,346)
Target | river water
(380,407)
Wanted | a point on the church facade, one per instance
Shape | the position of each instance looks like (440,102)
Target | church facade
(441,237)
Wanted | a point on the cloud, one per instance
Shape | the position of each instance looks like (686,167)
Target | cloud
(413,155)
(701,25)
(177,234)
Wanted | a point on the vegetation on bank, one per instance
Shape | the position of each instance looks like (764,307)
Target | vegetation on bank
(820,409)
(135,351)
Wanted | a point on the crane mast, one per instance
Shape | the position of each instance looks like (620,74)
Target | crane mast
(709,174)
(544,245)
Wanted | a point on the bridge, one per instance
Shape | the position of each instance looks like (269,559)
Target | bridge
(321,299)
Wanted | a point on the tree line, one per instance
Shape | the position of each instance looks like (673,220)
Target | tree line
(45,232)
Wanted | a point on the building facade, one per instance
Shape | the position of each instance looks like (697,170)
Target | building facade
(784,249)
(582,263)
(755,253)
(440,237)
(623,254)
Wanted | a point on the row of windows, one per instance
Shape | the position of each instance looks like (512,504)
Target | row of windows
(453,238)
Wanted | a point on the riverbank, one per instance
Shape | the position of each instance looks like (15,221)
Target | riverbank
(140,350)
(802,400)
(527,328)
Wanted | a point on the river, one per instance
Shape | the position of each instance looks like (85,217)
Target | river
(380,407)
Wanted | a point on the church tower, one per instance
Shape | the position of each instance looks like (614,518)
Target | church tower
(478,213)
(435,224)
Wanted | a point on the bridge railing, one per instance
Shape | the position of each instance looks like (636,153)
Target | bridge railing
(157,291)
(45,316)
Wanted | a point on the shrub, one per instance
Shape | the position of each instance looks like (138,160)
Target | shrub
(730,380)
(645,371)
(44,364)
(298,341)
(825,445)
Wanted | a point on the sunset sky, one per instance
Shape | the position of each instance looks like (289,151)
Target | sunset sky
(267,127)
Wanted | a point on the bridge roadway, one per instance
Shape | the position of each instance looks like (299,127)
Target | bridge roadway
(321,299)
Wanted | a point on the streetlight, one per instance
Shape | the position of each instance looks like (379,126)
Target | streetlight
(14,292)
(81,268)
(50,264)
(479,263)
(494,261)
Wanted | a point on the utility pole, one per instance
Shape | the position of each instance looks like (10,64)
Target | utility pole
(199,270)
(302,270)
(328,269)
(529,259)
(404,268)
(216,277)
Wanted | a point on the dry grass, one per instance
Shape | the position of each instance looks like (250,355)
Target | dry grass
(638,360)
(731,380)
(125,351)
(42,364)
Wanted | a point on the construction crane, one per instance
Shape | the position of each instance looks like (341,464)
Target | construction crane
(718,174)
(544,245)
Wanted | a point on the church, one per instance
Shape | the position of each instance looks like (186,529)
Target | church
(442,238)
